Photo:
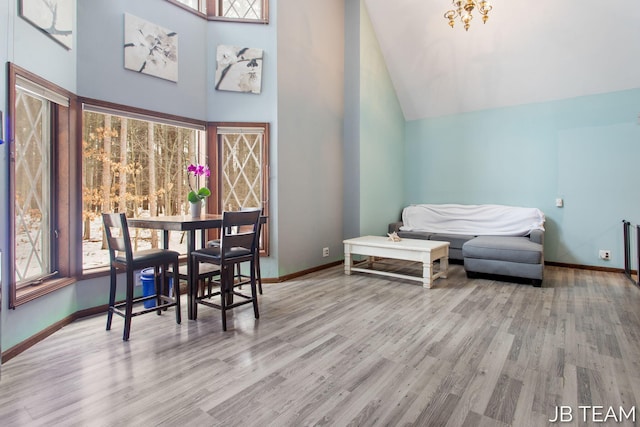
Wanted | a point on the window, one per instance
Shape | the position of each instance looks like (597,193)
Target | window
(136,164)
(40,174)
(197,5)
(241,10)
(228,10)
(33,183)
(242,155)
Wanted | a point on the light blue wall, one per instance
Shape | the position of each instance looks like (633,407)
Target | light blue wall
(101,72)
(31,49)
(24,45)
(225,106)
(310,133)
(302,98)
(4,191)
(374,132)
(6,9)
(583,150)
(351,148)
(381,137)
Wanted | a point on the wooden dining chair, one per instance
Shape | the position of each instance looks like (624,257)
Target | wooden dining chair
(237,245)
(122,257)
(239,274)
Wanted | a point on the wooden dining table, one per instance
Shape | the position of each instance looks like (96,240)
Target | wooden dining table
(188,224)
(185,223)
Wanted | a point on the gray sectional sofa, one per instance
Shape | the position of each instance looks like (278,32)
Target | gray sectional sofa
(490,239)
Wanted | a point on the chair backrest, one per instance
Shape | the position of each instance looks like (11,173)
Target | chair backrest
(258,230)
(239,230)
(120,242)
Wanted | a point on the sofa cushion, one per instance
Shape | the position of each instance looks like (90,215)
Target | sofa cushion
(455,240)
(504,268)
(503,248)
(422,235)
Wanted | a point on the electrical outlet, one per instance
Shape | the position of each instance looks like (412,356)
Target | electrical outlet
(605,254)
(325,252)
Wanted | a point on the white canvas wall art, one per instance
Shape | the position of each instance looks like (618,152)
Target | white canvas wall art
(52,17)
(239,69)
(150,49)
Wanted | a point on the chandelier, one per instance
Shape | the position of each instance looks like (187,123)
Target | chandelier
(464,8)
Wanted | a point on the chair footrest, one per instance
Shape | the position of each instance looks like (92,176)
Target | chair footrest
(167,302)
(205,300)
(227,307)
(138,312)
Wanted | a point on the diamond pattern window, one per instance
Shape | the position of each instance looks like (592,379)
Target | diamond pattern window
(33,227)
(243,169)
(243,10)
(40,191)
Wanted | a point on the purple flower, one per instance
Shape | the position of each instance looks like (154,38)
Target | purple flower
(196,194)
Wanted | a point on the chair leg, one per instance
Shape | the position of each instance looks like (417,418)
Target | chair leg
(176,291)
(254,295)
(112,296)
(128,314)
(193,286)
(224,286)
(239,273)
(159,280)
(209,286)
(258,275)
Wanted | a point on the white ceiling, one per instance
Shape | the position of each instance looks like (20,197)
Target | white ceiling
(528,51)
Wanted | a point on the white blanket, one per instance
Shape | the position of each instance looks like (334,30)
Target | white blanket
(474,220)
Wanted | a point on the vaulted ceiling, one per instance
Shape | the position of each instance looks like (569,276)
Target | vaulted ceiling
(528,51)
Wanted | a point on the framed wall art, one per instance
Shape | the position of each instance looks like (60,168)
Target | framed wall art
(239,69)
(150,49)
(52,17)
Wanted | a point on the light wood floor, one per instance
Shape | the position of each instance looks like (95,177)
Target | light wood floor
(331,349)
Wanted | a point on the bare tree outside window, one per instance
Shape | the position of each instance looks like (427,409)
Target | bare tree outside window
(243,169)
(138,167)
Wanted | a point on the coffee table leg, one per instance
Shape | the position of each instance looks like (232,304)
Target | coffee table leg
(444,266)
(347,261)
(427,270)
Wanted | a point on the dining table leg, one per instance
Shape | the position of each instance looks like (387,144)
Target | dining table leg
(165,244)
(192,288)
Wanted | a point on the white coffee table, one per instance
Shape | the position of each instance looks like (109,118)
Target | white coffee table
(425,251)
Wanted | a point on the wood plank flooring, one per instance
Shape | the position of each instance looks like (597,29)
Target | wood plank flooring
(357,350)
